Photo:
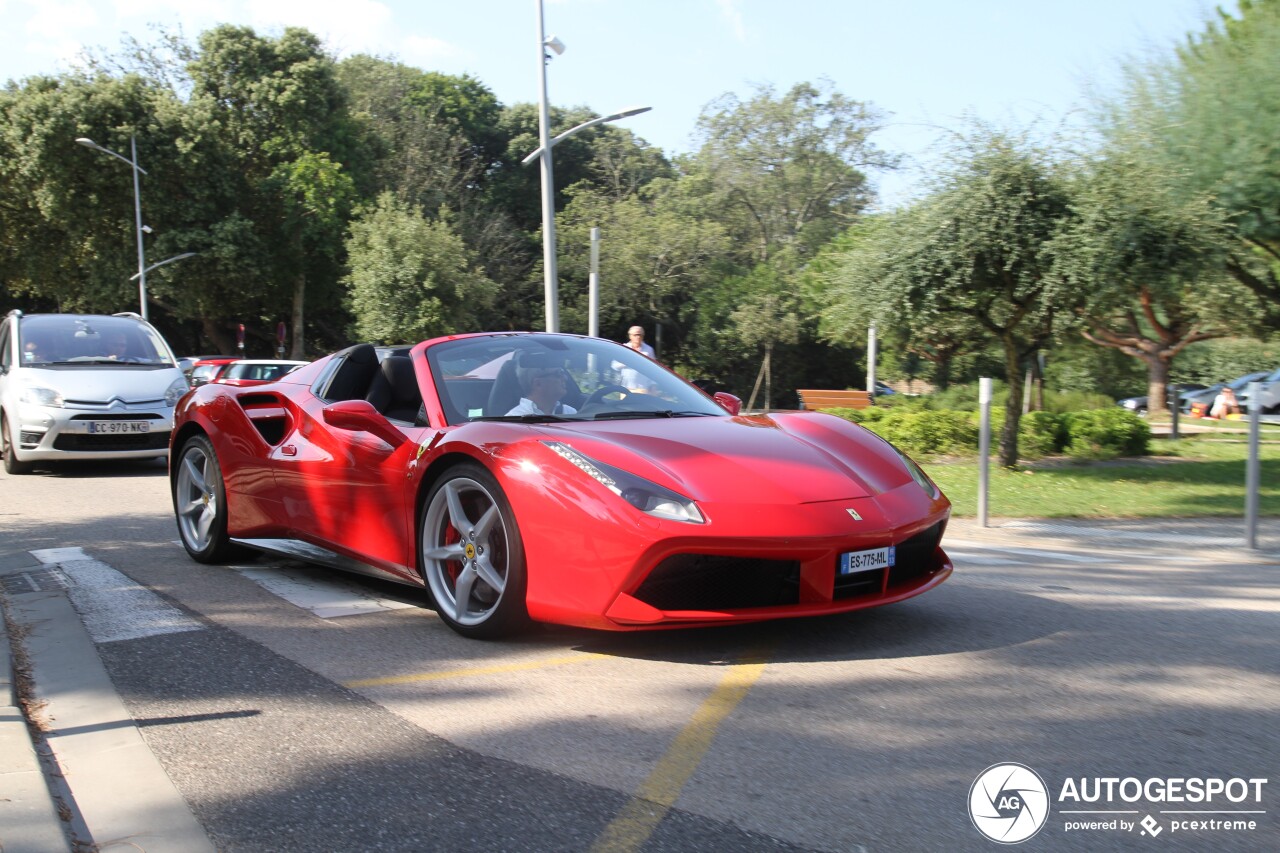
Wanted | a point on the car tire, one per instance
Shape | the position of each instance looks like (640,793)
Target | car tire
(200,503)
(471,555)
(12,465)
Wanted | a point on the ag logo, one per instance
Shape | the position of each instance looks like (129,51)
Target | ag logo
(1008,803)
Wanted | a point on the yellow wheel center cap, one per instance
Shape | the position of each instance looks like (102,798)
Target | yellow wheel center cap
(470,551)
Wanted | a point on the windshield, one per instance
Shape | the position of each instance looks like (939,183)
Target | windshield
(545,378)
(72,339)
(258,371)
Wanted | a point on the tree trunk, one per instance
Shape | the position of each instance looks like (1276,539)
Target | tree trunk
(221,341)
(768,378)
(299,298)
(1012,406)
(1157,382)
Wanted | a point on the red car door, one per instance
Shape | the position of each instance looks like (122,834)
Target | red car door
(348,490)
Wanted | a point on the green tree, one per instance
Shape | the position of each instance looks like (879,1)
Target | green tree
(67,228)
(273,124)
(1149,262)
(412,278)
(655,253)
(973,257)
(1213,114)
(787,171)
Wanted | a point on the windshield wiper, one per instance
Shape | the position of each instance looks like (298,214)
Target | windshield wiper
(526,419)
(650,413)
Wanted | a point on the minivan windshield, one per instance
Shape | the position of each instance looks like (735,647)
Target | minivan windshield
(53,339)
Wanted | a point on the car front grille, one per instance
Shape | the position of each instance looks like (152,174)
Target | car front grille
(117,441)
(708,582)
(915,557)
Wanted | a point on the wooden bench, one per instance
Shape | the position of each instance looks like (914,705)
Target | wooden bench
(815,399)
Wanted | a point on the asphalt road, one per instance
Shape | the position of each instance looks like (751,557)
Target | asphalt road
(303,710)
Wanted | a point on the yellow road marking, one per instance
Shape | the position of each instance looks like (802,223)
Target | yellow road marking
(472,671)
(658,793)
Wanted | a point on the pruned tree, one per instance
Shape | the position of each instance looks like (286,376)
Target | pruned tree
(976,255)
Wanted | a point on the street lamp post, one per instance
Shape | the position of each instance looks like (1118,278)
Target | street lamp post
(137,209)
(162,263)
(545,144)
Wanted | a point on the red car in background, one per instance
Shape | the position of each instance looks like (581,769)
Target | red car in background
(614,509)
(247,371)
(205,368)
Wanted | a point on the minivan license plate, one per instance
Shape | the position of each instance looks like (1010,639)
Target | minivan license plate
(110,427)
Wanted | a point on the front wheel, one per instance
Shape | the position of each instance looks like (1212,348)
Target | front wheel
(472,557)
(12,465)
(200,503)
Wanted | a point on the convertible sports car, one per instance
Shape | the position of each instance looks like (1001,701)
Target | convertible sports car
(513,477)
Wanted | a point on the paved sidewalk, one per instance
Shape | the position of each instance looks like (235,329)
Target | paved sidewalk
(110,793)
(103,789)
(1223,539)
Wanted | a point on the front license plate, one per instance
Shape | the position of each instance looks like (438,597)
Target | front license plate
(109,427)
(875,558)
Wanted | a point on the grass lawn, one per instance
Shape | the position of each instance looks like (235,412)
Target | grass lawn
(1198,476)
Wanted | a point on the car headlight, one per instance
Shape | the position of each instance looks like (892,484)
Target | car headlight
(175,392)
(40,395)
(644,495)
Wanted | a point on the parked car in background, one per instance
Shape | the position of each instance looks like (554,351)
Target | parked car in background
(1208,395)
(84,386)
(1268,395)
(1138,405)
(205,368)
(249,371)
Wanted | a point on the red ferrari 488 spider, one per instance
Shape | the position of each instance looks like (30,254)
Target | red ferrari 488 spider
(554,478)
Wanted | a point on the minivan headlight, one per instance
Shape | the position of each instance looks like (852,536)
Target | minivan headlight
(175,392)
(41,395)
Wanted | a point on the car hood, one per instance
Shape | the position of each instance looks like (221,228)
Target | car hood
(101,384)
(784,458)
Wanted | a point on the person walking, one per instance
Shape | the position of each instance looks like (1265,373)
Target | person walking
(635,340)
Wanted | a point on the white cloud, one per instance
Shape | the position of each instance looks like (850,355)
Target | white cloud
(425,51)
(733,15)
(345,26)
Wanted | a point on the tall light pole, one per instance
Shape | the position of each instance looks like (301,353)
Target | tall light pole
(183,256)
(545,144)
(137,209)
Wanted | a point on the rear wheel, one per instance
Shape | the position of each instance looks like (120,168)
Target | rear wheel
(200,503)
(471,554)
(12,465)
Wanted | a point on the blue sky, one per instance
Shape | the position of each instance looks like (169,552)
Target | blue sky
(927,63)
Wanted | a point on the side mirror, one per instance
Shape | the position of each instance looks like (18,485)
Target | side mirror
(729,401)
(185,365)
(361,416)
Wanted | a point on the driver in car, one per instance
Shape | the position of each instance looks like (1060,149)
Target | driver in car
(543,389)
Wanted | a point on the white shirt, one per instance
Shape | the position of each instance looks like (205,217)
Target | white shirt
(528,407)
(631,378)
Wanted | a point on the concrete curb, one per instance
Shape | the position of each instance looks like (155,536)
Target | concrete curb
(118,790)
(29,821)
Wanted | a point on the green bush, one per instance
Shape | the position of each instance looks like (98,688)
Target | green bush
(1105,434)
(1090,434)
(1040,434)
(928,432)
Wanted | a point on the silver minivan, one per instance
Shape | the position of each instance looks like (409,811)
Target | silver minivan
(84,386)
